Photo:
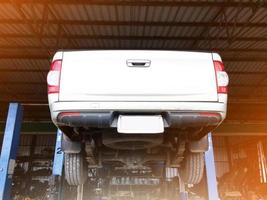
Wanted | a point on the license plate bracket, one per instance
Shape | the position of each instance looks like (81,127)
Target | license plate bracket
(140,124)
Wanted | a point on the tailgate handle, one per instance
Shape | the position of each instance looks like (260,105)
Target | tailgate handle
(138,63)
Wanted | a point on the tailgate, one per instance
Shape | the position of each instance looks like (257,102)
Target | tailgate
(157,76)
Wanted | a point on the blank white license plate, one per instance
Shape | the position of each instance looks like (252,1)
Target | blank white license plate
(140,124)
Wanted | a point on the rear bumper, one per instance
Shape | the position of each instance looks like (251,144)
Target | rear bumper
(104,114)
(109,119)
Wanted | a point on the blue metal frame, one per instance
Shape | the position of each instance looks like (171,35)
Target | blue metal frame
(58,156)
(183,193)
(58,163)
(183,196)
(211,172)
(9,149)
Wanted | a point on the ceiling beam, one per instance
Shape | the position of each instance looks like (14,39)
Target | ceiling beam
(24,100)
(241,129)
(16,55)
(125,37)
(133,23)
(248,86)
(148,3)
(22,83)
(15,52)
(15,49)
(25,56)
(260,73)
(18,70)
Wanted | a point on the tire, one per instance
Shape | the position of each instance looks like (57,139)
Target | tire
(192,168)
(76,169)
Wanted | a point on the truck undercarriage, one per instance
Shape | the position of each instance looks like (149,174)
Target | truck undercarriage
(133,154)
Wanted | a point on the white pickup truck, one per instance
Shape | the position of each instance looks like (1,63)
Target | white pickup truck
(130,109)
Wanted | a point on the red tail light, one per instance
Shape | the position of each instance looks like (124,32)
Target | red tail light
(69,114)
(221,77)
(53,77)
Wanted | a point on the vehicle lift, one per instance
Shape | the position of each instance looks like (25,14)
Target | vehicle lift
(11,142)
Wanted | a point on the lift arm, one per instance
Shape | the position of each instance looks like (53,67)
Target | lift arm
(9,149)
(58,156)
(211,172)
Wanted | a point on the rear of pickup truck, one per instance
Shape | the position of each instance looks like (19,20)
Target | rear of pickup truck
(93,88)
(130,108)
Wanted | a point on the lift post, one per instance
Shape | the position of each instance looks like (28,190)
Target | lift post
(211,172)
(58,156)
(183,193)
(9,149)
(58,166)
(58,163)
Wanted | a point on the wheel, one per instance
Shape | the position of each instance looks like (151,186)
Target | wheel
(192,168)
(76,169)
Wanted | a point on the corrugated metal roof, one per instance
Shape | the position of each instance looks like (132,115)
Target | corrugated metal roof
(31,32)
